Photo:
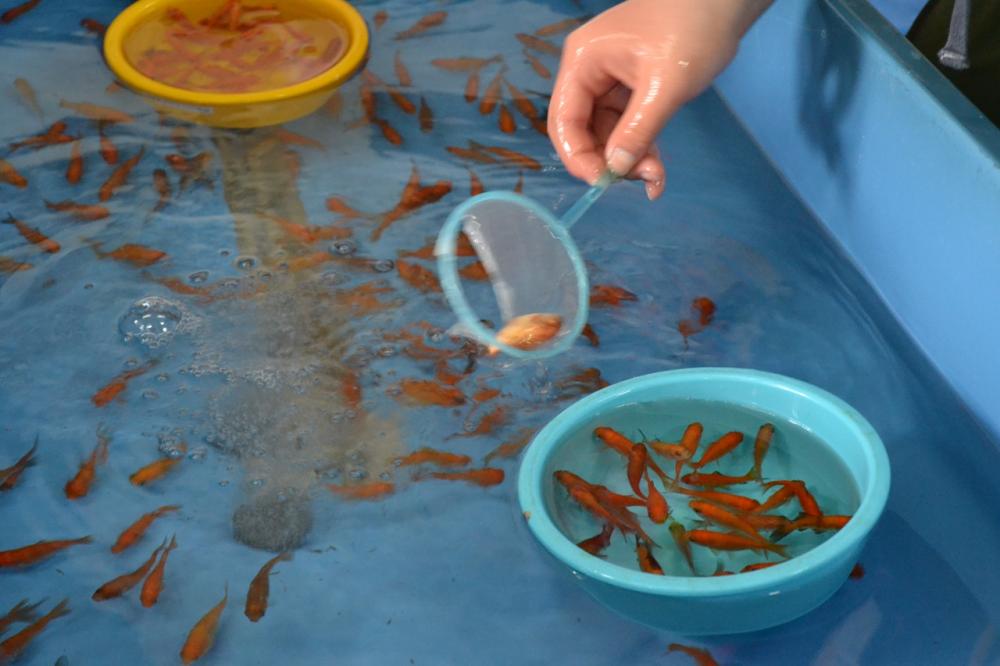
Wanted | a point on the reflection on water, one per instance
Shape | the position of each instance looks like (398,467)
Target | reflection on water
(293,353)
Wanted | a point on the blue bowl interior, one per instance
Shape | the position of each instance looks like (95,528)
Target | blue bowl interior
(848,449)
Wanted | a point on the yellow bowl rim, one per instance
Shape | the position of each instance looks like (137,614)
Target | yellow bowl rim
(114,53)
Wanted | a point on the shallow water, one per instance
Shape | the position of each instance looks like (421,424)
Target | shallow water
(252,380)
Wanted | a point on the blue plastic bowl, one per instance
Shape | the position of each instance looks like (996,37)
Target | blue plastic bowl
(725,604)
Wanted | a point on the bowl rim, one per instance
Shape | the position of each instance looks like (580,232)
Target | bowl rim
(114,54)
(541,525)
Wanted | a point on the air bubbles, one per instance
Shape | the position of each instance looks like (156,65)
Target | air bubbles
(198,277)
(383,265)
(150,394)
(344,247)
(198,454)
(386,351)
(245,263)
(257,483)
(223,253)
(436,335)
(152,321)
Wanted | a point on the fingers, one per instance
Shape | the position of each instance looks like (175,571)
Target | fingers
(648,110)
(581,81)
(649,168)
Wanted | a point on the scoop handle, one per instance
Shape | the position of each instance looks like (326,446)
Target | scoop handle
(584,203)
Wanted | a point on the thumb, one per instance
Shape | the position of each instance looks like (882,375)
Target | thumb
(648,110)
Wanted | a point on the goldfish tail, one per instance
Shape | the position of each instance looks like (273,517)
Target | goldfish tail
(61,609)
(753,474)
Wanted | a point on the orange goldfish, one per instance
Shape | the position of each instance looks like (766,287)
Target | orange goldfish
(122,584)
(413,197)
(97,113)
(423,25)
(463,64)
(256,605)
(156,469)
(11,475)
(131,534)
(426,116)
(417,276)
(485,394)
(715,479)
(596,544)
(364,491)
(511,447)
(487,424)
(680,537)
(388,131)
(402,73)
(558,27)
(491,96)
(738,502)
(591,335)
(54,135)
(425,392)
(21,612)
(506,120)
(779,498)
(857,572)
(719,448)
(760,447)
(521,102)
(193,170)
(721,516)
(472,87)
(511,156)
(120,176)
(161,182)
(537,65)
(727,541)
(647,563)
(474,271)
(381,16)
(202,635)
(93,26)
(36,552)
(637,457)
(137,255)
(528,332)
(806,521)
(83,212)
(757,566)
(537,44)
(614,440)
(475,185)
(606,294)
(519,189)
(74,170)
(701,657)
(79,485)
(11,176)
(433,456)
(153,585)
(108,150)
(11,648)
(33,236)
(691,438)
(290,138)
(27,93)
(485,476)
(112,389)
(350,389)
(656,505)
(473,154)
(336,205)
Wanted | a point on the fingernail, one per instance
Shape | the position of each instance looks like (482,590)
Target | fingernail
(652,189)
(620,161)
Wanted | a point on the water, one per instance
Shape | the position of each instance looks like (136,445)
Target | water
(794,454)
(439,572)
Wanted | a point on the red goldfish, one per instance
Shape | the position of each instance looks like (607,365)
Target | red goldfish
(156,469)
(760,447)
(11,475)
(74,170)
(647,562)
(33,236)
(719,448)
(82,212)
(36,552)
(364,491)
(256,605)
(423,25)
(433,456)
(79,485)
(16,644)
(153,585)
(701,657)
(112,389)
(122,584)
(486,476)
(726,541)
(131,534)
(120,176)
(11,176)
(425,392)
(596,544)
(17,12)
(54,135)
(202,635)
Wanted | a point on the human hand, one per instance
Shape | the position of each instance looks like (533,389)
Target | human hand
(627,71)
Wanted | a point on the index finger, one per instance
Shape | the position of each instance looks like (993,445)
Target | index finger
(579,83)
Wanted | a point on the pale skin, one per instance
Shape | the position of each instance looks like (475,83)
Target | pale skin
(626,72)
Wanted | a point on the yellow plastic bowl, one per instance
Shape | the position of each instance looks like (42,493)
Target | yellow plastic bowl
(251,109)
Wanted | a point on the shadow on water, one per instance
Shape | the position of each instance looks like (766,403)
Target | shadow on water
(828,74)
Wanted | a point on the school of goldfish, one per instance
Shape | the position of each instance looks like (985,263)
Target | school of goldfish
(727,520)
(453,379)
